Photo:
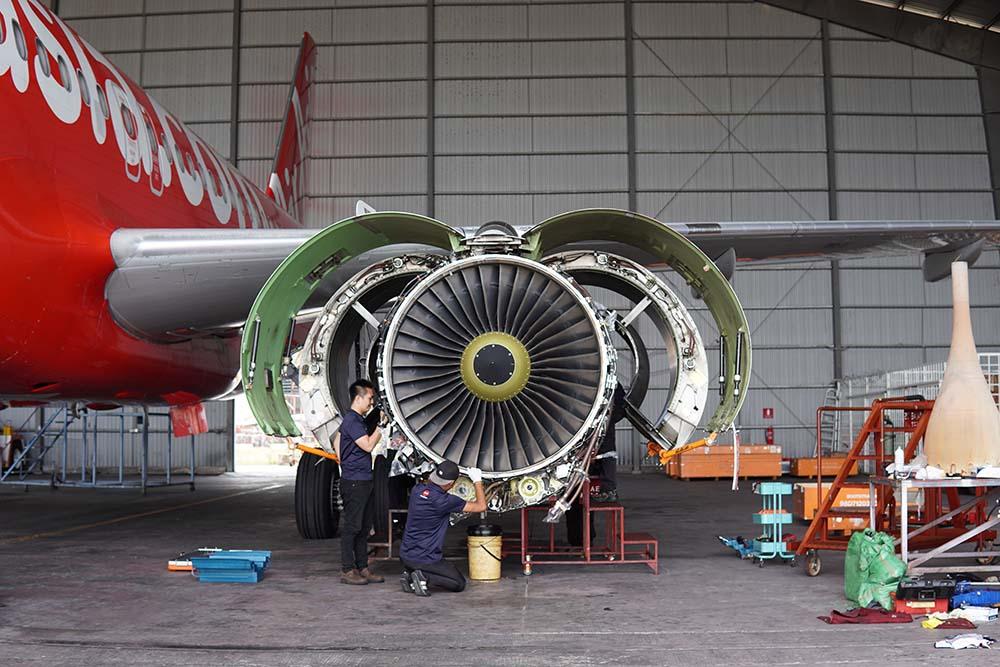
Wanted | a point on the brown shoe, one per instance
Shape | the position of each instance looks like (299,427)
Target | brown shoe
(371,577)
(353,577)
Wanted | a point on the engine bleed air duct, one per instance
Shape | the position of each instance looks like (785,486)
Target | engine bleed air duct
(488,349)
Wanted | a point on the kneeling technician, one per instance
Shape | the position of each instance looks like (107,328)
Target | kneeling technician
(426,524)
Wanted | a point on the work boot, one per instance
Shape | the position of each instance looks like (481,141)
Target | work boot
(419,582)
(353,577)
(609,496)
(371,577)
(404,582)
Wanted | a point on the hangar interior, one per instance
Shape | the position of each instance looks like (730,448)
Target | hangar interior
(737,111)
(477,111)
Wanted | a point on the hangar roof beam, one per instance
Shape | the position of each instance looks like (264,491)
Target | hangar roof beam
(980,48)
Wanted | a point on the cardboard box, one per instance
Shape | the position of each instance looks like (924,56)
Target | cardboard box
(806,467)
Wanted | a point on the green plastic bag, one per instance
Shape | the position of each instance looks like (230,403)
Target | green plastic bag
(872,570)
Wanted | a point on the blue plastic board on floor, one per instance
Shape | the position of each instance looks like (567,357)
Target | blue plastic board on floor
(235,564)
(230,576)
(261,558)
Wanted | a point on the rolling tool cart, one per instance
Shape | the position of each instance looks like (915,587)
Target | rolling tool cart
(771,544)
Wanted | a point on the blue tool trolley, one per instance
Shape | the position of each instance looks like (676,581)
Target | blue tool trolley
(773,517)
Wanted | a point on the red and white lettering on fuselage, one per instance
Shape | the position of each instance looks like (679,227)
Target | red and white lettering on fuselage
(85,151)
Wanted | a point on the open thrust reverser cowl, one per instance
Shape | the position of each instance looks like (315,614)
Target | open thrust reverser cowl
(487,348)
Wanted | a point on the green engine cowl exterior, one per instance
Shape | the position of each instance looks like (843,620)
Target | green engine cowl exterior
(290,286)
(265,336)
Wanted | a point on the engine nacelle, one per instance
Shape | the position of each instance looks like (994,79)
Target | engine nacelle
(491,352)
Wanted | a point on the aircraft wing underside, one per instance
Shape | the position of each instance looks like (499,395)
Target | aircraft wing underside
(173,284)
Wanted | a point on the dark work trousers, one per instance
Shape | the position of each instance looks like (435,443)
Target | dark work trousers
(606,470)
(574,525)
(442,574)
(358,516)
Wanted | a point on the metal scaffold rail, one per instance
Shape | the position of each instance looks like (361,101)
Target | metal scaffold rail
(63,445)
(924,380)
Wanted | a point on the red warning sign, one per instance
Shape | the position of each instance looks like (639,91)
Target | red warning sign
(768,413)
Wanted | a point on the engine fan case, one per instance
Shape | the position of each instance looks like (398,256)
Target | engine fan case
(535,409)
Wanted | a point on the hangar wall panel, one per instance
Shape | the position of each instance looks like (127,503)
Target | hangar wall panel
(519,110)
(909,145)
(183,59)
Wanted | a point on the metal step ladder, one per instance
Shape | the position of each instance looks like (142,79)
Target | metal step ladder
(829,423)
(31,457)
(869,446)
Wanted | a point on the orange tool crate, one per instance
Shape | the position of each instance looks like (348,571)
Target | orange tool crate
(806,467)
(805,503)
(805,500)
(717,462)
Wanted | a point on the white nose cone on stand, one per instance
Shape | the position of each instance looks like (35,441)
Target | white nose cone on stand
(964,430)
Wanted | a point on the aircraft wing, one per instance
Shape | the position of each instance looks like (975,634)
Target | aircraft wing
(831,239)
(173,284)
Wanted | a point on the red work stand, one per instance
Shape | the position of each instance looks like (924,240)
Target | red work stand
(617,547)
(374,548)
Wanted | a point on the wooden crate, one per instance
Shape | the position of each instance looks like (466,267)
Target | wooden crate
(805,500)
(806,467)
(717,462)
(673,467)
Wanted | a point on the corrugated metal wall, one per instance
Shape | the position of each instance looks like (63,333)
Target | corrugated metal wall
(910,144)
(472,111)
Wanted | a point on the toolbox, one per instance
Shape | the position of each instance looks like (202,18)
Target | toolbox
(922,595)
(923,589)
(920,607)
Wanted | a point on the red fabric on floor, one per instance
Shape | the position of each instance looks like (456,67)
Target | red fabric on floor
(865,616)
(956,624)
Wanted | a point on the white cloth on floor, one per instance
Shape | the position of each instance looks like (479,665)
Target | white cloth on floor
(964,641)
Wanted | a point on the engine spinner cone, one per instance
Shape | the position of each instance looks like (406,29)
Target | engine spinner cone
(495,366)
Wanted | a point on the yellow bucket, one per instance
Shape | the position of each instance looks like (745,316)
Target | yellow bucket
(485,542)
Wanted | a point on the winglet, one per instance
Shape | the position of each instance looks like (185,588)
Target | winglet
(286,185)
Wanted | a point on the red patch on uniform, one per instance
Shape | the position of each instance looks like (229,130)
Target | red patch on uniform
(426,493)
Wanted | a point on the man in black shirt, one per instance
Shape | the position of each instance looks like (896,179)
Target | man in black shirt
(356,487)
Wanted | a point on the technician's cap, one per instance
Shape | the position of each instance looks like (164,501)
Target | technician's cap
(446,472)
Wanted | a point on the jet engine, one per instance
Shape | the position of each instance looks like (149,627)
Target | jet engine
(488,347)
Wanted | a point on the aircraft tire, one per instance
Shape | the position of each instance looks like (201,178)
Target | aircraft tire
(317,498)
(380,476)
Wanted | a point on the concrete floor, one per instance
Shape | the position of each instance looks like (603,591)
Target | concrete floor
(83,581)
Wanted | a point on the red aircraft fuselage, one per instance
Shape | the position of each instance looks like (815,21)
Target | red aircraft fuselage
(85,151)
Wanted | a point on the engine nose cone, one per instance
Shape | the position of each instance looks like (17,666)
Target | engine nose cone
(495,366)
